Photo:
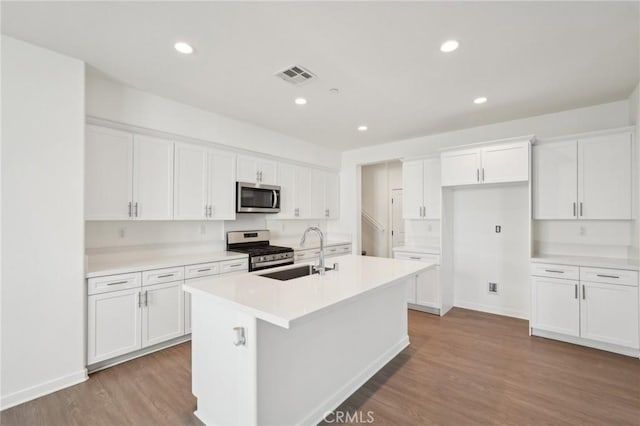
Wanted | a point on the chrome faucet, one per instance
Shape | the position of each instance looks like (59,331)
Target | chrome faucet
(320,268)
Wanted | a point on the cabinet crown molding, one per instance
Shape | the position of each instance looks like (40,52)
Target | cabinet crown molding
(526,138)
(582,135)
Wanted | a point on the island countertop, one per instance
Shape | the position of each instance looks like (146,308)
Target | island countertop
(283,303)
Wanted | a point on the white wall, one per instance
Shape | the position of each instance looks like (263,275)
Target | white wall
(110,100)
(634,118)
(42,219)
(480,255)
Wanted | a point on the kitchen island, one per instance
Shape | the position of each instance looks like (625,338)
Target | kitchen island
(275,352)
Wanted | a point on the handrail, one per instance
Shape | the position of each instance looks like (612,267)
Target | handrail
(372,221)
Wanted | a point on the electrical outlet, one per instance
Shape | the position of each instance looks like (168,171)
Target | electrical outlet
(498,229)
(493,288)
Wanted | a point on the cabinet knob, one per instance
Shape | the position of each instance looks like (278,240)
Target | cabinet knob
(240,339)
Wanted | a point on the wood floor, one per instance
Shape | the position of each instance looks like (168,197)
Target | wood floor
(466,368)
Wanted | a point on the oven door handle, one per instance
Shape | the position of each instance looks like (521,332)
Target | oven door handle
(275,199)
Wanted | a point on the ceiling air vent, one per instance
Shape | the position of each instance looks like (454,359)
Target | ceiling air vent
(296,75)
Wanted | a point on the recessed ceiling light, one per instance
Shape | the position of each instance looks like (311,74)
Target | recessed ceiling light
(449,46)
(300,101)
(363,128)
(183,47)
(480,100)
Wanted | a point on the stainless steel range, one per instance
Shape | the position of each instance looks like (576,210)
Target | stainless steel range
(262,255)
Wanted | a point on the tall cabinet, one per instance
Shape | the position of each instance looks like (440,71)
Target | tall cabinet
(421,187)
(583,178)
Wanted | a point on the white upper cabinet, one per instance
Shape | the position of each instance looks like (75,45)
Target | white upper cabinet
(204,183)
(128,176)
(317,200)
(191,182)
(498,163)
(307,193)
(555,180)
(152,178)
(108,174)
(588,178)
(256,170)
(287,183)
(604,177)
(332,195)
(421,187)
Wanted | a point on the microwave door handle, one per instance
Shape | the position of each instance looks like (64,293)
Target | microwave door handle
(275,198)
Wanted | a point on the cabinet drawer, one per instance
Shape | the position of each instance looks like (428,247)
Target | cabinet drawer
(159,276)
(336,250)
(201,270)
(234,266)
(114,282)
(308,255)
(417,256)
(568,272)
(609,276)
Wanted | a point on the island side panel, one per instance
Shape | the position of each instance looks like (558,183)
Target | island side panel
(223,374)
(308,370)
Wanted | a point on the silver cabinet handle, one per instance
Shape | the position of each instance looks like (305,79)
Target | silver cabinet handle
(130,208)
(146,298)
(118,283)
(257,176)
(575,213)
(414,257)
(607,276)
(136,209)
(581,209)
(584,293)
(235,265)
(483,174)
(139,300)
(210,210)
(575,291)
(296,212)
(477,175)
(240,339)
(165,275)
(206,210)
(554,271)
(204,270)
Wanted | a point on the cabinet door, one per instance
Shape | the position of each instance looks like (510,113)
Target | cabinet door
(604,183)
(113,327)
(555,305)
(411,290)
(268,171)
(302,190)
(432,188)
(287,183)
(190,183)
(428,288)
(162,313)
(555,180)
(247,169)
(461,167)
(332,195)
(505,163)
(187,312)
(222,185)
(317,193)
(108,174)
(152,178)
(412,189)
(609,313)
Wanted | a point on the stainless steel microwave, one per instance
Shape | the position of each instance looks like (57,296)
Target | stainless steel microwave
(257,198)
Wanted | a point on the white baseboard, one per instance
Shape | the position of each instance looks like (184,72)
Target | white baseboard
(491,309)
(622,350)
(334,401)
(42,389)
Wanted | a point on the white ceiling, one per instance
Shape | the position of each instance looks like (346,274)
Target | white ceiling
(527,58)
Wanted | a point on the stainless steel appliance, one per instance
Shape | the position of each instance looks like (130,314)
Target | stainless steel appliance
(257,198)
(262,255)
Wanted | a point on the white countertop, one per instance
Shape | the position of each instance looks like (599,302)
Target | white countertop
(284,302)
(98,268)
(311,243)
(594,262)
(419,249)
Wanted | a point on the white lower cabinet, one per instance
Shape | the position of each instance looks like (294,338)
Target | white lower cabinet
(313,254)
(424,293)
(601,314)
(114,324)
(162,313)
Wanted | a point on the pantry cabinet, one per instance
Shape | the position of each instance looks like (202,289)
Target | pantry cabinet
(495,163)
(204,183)
(127,176)
(256,170)
(421,187)
(584,178)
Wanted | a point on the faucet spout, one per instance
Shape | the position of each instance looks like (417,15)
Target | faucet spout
(321,267)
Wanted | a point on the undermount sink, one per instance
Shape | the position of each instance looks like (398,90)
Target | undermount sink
(291,273)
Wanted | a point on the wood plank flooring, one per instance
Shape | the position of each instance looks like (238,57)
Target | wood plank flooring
(466,368)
